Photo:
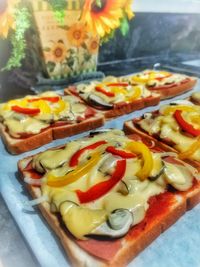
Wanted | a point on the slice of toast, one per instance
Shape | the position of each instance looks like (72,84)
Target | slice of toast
(123,108)
(21,145)
(178,89)
(193,196)
(164,210)
(59,129)
(166,84)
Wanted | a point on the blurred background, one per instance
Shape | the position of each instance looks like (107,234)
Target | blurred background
(162,31)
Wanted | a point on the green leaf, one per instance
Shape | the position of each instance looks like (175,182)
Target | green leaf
(22,20)
(87,56)
(58,7)
(84,46)
(51,65)
(124,27)
(70,62)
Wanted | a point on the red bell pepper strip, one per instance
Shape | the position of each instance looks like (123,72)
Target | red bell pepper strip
(74,159)
(29,111)
(101,90)
(161,78)
(121,153)
(118,84)
(189,128)
(104,187)
(53,99)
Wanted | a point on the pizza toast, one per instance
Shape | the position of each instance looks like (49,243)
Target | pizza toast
(114,98)
(164,207)
(33,121)
(164,83)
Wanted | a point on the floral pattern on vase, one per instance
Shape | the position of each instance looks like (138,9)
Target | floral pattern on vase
(68,49)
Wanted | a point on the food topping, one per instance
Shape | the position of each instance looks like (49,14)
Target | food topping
(101,185)
(43,110)
(178,125)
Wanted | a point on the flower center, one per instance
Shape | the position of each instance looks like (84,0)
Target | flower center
(58,52)
(3,6)
(77,35)
(98,5)
(94,45)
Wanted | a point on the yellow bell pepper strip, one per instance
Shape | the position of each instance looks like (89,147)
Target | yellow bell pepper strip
(191,150)
(137,93)
(74,175)
(27,111)
(140,148)
(42,105)
(17,102)
(173,108)
(61,106)
(140,79)
(184,125)
(118,84)
(102,188)
(75,158)
(118,90)
(52,99)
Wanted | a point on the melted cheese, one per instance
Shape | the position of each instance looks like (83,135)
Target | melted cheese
(158,78)
(131,193)
(29,125)
(167,128)
(67,108)
(122,94)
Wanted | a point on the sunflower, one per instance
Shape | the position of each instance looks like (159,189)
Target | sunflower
(102,16)
(58,52)
(7,13)
(93,45)
(128,9)
(77,34)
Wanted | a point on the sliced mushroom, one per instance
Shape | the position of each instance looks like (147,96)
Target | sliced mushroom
(108,165)
(98,102)
(196,97)
(178,176)
(158,170)
(100,131)
(117,225)
(124,187)
(181,102)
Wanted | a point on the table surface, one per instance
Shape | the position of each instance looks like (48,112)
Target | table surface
(14,250)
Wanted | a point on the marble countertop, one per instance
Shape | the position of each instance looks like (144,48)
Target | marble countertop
(13,249)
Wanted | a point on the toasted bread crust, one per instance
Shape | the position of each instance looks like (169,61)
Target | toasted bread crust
(131,246)
(72,129)
(120,109)
(175,90)
(17,146)
(193,196)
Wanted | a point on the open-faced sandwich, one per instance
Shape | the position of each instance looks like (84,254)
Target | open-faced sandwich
(33,121)
(115,96)
(108,196)
(165,83)
(176,124)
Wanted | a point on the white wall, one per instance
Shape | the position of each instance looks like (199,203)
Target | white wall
(172,6)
